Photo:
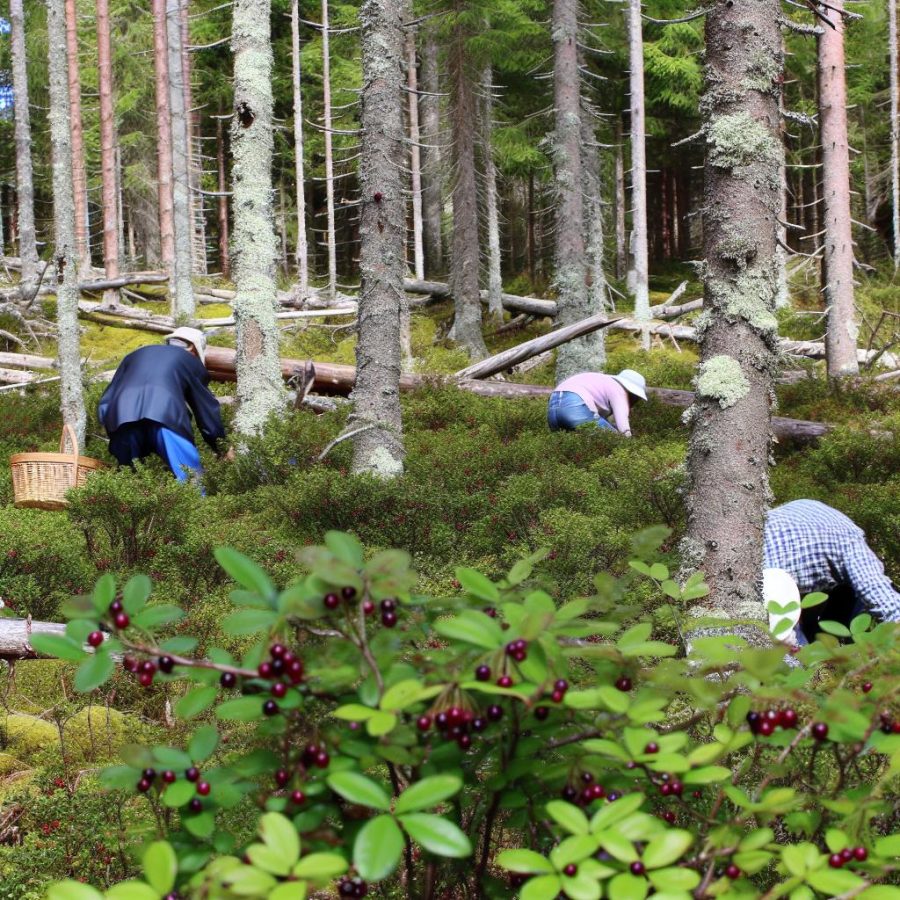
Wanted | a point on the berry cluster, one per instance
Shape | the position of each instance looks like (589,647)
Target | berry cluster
(590,791)
(856,854)
(889,725)
(334,601)
(765,723)
(457,724)
(517,650)
(145,669)
(315,755)
(352,887)
(167,777)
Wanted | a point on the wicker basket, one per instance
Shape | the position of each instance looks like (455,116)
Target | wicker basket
(40,480)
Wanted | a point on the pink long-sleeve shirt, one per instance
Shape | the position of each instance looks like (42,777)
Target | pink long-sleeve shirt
(602,394)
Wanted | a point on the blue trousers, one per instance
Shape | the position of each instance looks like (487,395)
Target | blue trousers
(137,440)
(567,411)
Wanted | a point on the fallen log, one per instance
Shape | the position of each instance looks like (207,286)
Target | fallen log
(229,321)
(333,378)
(27,360)
(124,317)
(15,376)
(106,284)
(15,637)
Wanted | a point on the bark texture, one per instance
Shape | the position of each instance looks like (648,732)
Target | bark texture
(571,260)
(64,254)
(376,396)
(894,114)
(640,274)
(621,252)
(302,250)
(107,147)
(729,448)
(163,139)
(837,260)
(259,387)
(24,174)
(79,175)
(491,211)
(183,305)
(593,228)
(432,174)
(330,239)
(464,252)
(415,152)
(222,206)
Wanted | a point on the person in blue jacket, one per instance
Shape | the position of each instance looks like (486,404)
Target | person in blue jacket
(146,408)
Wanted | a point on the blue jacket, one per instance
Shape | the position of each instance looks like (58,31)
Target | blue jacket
(162,383)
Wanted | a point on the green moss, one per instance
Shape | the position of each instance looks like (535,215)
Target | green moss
(98,732)
(10,764)
(28,736)
(722,379)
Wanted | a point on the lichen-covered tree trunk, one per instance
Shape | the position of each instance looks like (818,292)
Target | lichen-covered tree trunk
(593,229)
(491,211)
(432,174)
(640,275)
(64,255)
(621,251)
(378,444)
(302,250)
(415,153)
(163,140)
(183,305)
(894,114)
(330,238)
(571,260)
(222,206)
(79,175)
(728,456)
(837,260)
(464,247)
(107,150)
(24,174)
(259,386)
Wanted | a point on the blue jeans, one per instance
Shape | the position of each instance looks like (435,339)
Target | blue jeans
(137,440)
(567,411)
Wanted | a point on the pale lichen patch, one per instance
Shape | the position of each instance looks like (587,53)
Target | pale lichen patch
(739,140)
(721,378)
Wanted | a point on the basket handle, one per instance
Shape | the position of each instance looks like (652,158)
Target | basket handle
(68,441)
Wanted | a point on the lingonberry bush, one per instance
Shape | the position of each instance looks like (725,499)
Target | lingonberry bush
(373,741)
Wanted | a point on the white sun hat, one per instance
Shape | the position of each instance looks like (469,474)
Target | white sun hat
(782,600)
(633,382)
(193,336)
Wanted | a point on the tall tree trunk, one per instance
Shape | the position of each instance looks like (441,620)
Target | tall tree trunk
(620,203)
(259,386)
(466,329)
(529,224)
(837,269)
(302,251)
(24,175)
(2,230)
(491,212)
(183,305)
(163,141)
(67,293)
(79,175)
(571,276)
(432,193)
(730,439)
(376,396)
(222,205)
(330,239)
(593,228)
(895,129)
(107,150)
(641,272)
(415,152)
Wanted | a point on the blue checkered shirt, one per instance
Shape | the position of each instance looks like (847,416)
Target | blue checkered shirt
(821,548)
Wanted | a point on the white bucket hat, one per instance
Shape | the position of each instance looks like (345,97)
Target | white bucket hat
(633,382)
(193,336)
(780,589)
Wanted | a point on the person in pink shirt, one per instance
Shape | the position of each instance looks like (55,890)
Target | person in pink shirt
(594,397)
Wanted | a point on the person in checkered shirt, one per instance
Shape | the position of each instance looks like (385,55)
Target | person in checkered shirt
(823,550)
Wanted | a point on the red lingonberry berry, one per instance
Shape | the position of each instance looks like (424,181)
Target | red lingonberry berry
(282,777)
(279,689)
(557,696)
(867,686)
(192,774)
(860,854)
(820,731)
(665,789)
(228,679)
(652,747)
(389,619)
(495,712)
(504,681)
(169,776)
(464,741)
(637,867)
(146,679)
(264,670)
(571,869)
(95,638)
(166,664)
(696,794)
(121,620)
(270,708)
(322,759)
(332,601)
(732,871)
(677,788)
(483,673)
(195,805)
(765,727)
(836,861)
(895,728)
(597,791)
(388,605)
(541,713)
(203,788)
(561,685)
(787,718)
(130,664)
(847,854)
(297,797)
(295,671)
(144,785)
(348,592)
(116,607)
(368,607)
(669,816)
(623,683)
(423,723)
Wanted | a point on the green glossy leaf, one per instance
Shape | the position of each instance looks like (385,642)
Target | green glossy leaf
(574,849)
(381,723)
(152,617)
(94,671)
(353,712)
(248,881)
(249,621)
(472,627)
(752,861)
(72,890)
(813,599)
(377,848)
(659,572)
(617,845)
(401,695)
(525,862)
(834,882)
(544,887)
(836,628)
(346,547)
(888,846)
(757,839)
(836,840)
(203,743)
(60,646)
(605,697)
(244,571)
(321,866)
(880,892)
(437,835)
(667,848)
(674,879)
(570,817)
(132,890)
(289,890)
(477,584)
(104,593)
(241,709)
(358,789)
(427,793)
(279,833)
(160,866)
(201,825)
(195,702)
(178,793)
(136,593)
(628,887)
(706,775)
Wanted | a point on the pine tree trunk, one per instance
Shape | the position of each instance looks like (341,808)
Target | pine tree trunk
(415,153)
(163,141)
(593,228)
(730,441)
(571,276)
(259,386)
(107,150)
(2,230)
(302,251)
(378,448)
(640,277)
(491,212)
(620,202)
(222,206)
(837,268)
(64,254)
(79,175)
(895,129)
(330,238)
(24,175)
(183,305)
(466,329)
(432,193)
(529,225)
